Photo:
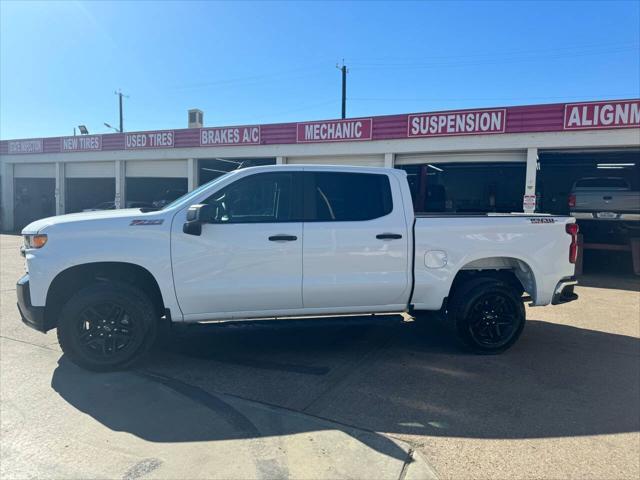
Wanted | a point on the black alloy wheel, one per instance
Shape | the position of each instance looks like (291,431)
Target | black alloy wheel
(108,326)
(494,318)
(106,330)
(487,314)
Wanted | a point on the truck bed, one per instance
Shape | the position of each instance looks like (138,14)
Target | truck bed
(446,244)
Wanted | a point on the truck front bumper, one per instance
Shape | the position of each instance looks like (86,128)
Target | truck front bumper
(31,316)
(564,291)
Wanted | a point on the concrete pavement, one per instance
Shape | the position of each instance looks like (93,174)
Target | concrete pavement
(335,398)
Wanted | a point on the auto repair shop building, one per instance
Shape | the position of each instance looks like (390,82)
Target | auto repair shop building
(479,160)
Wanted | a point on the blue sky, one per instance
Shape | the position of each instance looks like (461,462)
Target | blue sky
(272,62)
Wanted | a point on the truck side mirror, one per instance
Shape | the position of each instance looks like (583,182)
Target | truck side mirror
(196,216)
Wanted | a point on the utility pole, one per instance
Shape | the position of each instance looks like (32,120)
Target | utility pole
(344,71)
(120,95)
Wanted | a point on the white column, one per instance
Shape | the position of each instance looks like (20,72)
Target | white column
(121,181)
(530,179)
(6,203)
(281,160)
(60,188)
(192,173)
(389,160)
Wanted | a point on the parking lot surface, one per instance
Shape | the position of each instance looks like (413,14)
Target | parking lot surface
(357,397)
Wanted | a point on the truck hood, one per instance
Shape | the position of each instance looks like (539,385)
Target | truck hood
(39,225)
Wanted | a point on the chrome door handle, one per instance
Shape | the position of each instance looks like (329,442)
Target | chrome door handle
(283,238)
(388,236)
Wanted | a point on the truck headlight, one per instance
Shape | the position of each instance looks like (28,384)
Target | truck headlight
(35,241)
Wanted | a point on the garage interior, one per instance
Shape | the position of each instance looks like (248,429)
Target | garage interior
(466,188)
(559,170)
(34,199)
(89,194)
(605,244)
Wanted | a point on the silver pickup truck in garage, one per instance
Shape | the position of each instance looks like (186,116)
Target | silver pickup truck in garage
(608,209)
(604,198)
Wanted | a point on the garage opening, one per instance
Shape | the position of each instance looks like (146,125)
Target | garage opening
(602,182)
(34,187)
(89,186)
(466,188)
(211,168)
(34,199)
(559,171)
(84,194)
(601,189)
(153,191)
(154,183)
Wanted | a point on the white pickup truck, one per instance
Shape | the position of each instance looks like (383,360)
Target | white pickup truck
(287,241)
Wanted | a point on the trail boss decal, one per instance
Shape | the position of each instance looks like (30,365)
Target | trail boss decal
(543,220)
(147,222)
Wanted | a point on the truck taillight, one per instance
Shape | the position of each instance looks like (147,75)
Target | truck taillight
(572,229)
(572,201)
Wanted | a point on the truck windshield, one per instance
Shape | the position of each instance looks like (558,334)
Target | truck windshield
(197,191)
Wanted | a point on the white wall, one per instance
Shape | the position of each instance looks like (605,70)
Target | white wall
(359,160)
(34,170)
(90,170)
(157,168)
(462,157)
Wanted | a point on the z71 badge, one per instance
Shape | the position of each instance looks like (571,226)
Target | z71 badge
(147,222)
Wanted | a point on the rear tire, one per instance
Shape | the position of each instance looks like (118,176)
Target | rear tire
(487,315)
(107,326)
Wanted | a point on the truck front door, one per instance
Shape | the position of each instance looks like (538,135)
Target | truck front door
(248,260)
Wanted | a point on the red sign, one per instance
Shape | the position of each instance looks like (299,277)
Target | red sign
(25,146)
(557,117)
(82,143)
(469,122)
(334,131)
(614,114)
(248,135)
(161,139)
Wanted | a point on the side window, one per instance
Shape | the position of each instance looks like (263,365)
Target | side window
(259,198)
(343,197)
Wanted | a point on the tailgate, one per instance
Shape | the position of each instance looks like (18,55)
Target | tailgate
(607,201)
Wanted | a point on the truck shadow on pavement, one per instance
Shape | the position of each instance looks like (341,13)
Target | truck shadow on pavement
(377,374)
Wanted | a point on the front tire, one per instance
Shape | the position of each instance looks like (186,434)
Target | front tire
(487,315)
(107,326)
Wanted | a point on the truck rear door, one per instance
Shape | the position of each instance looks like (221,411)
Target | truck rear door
(356,250)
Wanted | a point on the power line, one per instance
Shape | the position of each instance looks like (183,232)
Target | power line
(386,60)
(496,61)
(466,99)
